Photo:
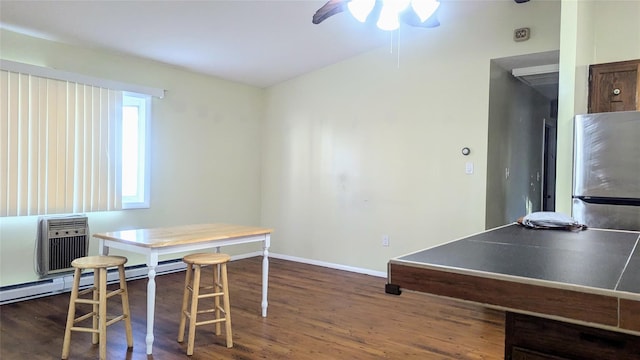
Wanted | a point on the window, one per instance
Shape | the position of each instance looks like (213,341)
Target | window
(135,150)
(71,143)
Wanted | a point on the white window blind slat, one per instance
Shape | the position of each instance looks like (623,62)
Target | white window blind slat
(4,138)
(13,140)
(69,145)
(90,153)
(41,155)
(23,145)
(84,160)
(99,148)
(51,151)
(79,146)
(114,188)
(96,134)
(59,139)
(32,108)
(10,82)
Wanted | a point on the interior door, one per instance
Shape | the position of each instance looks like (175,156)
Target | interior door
(614,86)
(549,167)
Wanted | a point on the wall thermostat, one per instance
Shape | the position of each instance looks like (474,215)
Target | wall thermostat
(466,151)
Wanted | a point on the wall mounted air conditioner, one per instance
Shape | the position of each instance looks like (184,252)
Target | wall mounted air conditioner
(60,240)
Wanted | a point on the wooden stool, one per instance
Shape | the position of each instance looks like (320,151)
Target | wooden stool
(99,264)
(220,288)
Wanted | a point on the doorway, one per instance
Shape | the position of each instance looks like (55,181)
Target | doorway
(521,137)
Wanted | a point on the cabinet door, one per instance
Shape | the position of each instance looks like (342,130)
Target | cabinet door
(525,354)
(614,86)
(533,338)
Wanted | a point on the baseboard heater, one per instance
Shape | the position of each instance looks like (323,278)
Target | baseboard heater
(63,283)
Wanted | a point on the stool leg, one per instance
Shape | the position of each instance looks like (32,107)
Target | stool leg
(217,288)
(194,309)
(72,314)
(185,302)
(125,306)
(102,316)
(227,308)
(96,307)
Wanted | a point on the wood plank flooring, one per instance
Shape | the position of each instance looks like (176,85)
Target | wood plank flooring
(314,313)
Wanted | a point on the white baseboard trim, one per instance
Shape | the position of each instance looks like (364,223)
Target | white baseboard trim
(330,265)
(63,282)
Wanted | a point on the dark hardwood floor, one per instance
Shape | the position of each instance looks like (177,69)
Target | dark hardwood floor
(314,313)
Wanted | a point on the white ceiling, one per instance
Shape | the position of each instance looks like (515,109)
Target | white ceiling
(259,42)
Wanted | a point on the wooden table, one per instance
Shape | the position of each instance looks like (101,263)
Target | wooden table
(566,294)
(170,240)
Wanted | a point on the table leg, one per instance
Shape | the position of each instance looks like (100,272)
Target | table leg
(152,263)
(102,249)
(265,273)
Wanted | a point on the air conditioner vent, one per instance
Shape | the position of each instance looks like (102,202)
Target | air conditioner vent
(68,224)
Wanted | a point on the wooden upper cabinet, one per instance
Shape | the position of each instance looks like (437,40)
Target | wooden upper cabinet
(614,86)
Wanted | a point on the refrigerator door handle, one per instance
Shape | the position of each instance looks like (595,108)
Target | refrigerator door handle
(609,200)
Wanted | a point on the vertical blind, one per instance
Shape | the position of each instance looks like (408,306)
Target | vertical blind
(59,148)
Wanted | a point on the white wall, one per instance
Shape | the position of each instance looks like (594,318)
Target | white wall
(368,147)
(205,141)
(617,30)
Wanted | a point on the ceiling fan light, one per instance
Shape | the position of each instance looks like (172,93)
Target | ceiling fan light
(388,19)
(360,9)
(396,5)
(424,8)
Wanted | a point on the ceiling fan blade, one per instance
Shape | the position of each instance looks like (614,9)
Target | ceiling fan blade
(329,9)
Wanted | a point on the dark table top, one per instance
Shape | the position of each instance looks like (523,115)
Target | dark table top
(602,259)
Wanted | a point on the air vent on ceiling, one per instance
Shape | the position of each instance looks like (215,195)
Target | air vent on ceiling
(537,75)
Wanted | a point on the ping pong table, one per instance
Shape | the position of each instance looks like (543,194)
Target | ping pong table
(566,295)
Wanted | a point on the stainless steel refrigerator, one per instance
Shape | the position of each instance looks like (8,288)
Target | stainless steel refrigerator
(606,174)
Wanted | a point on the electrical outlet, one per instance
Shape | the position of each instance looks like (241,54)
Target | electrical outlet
(385,240)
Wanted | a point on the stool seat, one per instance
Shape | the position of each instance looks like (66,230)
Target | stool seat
(98,302)
(219,289)
(98,262)
(206,259)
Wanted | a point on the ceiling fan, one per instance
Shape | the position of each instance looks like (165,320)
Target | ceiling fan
(365,10)
(423,14)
